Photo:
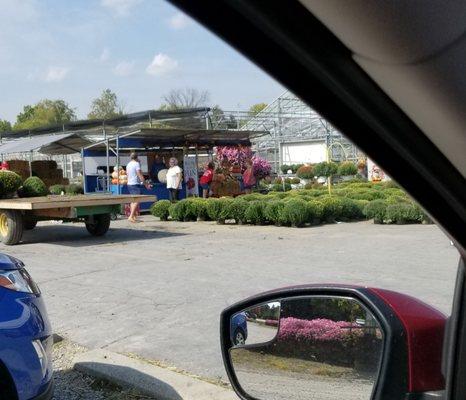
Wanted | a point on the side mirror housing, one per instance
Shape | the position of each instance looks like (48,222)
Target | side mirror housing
(332,342)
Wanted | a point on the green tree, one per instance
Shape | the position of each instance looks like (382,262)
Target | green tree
(107,106)
(256,108)
(45,112)
(5,125)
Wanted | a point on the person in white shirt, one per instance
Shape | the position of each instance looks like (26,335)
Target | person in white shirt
(135,180)
(174,177)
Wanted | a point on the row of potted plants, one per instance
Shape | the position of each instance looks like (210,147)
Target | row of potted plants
(298,208)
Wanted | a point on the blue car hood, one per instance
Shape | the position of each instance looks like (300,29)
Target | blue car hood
(8,262)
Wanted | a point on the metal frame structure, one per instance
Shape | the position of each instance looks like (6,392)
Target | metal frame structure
(287,119)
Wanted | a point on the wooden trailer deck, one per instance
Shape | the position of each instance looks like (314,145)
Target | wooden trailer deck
(83,200)
(95,211)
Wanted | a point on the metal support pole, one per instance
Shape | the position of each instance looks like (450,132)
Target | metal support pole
(118,162)
(108,166)
(30,163)
(197,169)
(107,185)
(84,171)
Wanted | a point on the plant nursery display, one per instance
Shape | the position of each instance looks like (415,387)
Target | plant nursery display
(350,201)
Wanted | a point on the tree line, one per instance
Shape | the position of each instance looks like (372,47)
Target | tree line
(106,106)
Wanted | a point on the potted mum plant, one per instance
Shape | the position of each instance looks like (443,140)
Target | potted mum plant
(305,173)
(347,170)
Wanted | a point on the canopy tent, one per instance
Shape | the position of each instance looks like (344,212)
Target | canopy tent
(65,143)
(185,117)
(146,138)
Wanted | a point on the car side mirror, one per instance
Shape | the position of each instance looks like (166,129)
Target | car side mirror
(332,342)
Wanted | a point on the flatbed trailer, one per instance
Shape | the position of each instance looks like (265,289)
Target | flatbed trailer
(19,214)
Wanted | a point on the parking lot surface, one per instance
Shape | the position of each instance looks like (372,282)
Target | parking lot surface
(156,289)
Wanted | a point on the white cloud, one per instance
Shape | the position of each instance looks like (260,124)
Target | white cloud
(56,74)
(124,68)
(179,21)
(161,65)
(120,7)
(105,55)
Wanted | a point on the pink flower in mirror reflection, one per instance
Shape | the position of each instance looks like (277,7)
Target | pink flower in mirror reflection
(317,330)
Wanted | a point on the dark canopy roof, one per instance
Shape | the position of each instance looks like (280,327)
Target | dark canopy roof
(156,137)
(186,116)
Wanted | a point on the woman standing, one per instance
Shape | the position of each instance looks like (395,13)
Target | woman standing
(174,176)
(249,180)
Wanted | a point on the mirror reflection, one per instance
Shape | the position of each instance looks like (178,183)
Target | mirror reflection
(308,348)
(258,324)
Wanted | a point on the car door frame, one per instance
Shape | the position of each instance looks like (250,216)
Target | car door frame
(295,48)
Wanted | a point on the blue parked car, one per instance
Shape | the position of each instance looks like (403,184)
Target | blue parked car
(25,336)
(239,329)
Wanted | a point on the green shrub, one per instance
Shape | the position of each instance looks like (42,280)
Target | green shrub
(10,182)
(189,209)
(33,187)
(362,204)
(284,168)
(325,169)
(364,194)
(237,210)
(255,213)
(214,208)
(225,210)
(278,187)
(295,181)
(391,184)
(305,172)
(315,210)
(176,211)
(278,195)
(57,189)
(74,189)
(397,199)
(312,185)
(376,210)
(351,210)
(347,168)
(159,209)
(295,213)
(394,192)
(200,208)
(332,208)
(278,181)
(403,213)
(273,210)
(357,185)
(252,196)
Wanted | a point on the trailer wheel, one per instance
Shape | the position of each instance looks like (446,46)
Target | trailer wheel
(29,223)
(11,226)
(98,225)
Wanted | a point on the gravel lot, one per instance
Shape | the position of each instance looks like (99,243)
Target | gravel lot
(156,289)
(73,385)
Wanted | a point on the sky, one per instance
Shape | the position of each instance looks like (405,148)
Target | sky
(140,49)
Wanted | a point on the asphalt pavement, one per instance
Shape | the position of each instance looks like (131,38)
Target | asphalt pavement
(156,289)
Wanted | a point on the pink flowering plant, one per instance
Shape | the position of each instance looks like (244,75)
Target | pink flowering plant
(262,167)
(317,330)
(239,155)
